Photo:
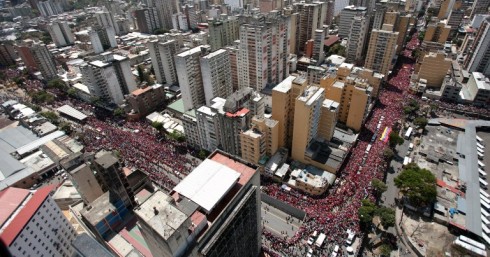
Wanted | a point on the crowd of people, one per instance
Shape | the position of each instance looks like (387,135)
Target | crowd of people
(139,145)
(338,211)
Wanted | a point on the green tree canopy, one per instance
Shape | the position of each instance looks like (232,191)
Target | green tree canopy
(379,186)
(388,154)
(395,139)
(418,185)
(420,122)
(40,97)
(57,83)
(387,216)
(366,212)
(51,116)
(385,250)
(157,125)
(119,112)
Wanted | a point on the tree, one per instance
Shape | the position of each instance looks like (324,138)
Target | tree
(418,185)
(366,212)
(157,125)
(141,73)
(66,127)
(387,216)
(388,154)
(176,135)
(57,83)
(337,49)
(379,186)
(119,112)
(395,139)
(72,92)
(51,116)
(385,250)
(41,97)
(202,154)
(421,35)
(420,122)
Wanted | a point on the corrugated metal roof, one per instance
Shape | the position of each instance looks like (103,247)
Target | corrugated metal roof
(37,143)
(17,137)
(72,112)
(8,165)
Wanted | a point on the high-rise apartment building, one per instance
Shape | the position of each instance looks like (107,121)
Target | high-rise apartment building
(109,78)
(95,42)
(381,49)
(107,19)
(351,88)
(112,179)
(216,75)
(188,65)
(311,16)
(437,31)
(378,16)
(147,20)
(214,211)
(190,15)
(357,39)
(162,52)
(260,140)
(434,68)
(454,21)
(264,51)
(233,52)
(283,103)
(318,54)
(44,61)
(445,9)
(165,9)
(223,31)
(478,58)
(7,55)
(311,114)
(32,224)
(346,16)
(49,8)
(82,177)
(61,33)
(106,37)
(479,7)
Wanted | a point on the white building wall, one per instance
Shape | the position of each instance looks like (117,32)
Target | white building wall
(47,229)
(96,43)
(216,75)
(113,87)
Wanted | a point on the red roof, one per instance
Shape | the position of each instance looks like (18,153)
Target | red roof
(331,40)
(22,218)
(239,113)
(10,199)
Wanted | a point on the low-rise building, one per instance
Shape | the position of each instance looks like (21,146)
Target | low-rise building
(143,101)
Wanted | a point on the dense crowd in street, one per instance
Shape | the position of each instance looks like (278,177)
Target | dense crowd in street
(338,211)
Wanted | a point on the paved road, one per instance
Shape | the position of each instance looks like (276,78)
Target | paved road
(277,221)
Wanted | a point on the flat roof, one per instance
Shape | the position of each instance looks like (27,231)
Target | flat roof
(208,183)
(88,246)
(285,85)
(163,217)
(39,142)
(177,106)
(72,112)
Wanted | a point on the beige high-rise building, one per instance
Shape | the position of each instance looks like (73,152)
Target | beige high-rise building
(260,140)
(312,112)
(162,50)
(381,49)
(351,88)
(283,103)
(434,68)
(437,32)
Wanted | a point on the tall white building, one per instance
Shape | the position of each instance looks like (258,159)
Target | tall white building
(165,10)
(318,52)
(61,33)
(479,57)
(44,61)
(162,52)
(216,75)
(190,78)
(357,39)
(105,19)
(95,41)
(49,8)
(109,78)
(264,51)
(346,16)
(32,224)
(106,37)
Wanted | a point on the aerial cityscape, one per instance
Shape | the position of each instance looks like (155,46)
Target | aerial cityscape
(230,128)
